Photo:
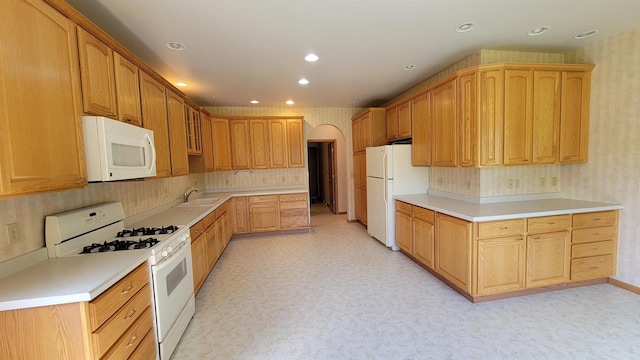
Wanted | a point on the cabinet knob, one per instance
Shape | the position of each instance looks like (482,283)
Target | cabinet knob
(132,341)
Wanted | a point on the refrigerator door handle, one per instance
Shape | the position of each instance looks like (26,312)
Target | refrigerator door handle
(384,177)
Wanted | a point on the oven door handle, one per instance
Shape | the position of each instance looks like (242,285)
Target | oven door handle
(176,253)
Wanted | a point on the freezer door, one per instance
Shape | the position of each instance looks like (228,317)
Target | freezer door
(408,179)
(380,214)
(379,162)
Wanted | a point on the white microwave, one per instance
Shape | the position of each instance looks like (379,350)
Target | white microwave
(117,151)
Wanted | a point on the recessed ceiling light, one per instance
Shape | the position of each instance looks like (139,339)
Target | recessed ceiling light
(351,102)
(290,102)
(311,57)
(303,81)
(409,67)
(585,34)
(181,84)
(538,31)
(175,45)
(217,96)
(254,102)
(466,27)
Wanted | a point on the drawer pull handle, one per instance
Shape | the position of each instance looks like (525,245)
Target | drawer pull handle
(132,341)
(504,228)
(126,291)
(551,223)
(595,248)
(596,234)
(596,219)
(130,314)
(536,238)
(593,268)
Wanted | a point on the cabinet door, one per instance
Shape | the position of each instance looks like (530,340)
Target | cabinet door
(491,107)
(221,144)
(127,90)
(546,116)
(443,121)
(207,143)
(548,259)
(517,117)
(423,242)
(196,132)
(154,112)
(356,128)
(501,265)
(453,250)
(574,118)
(403,232)
(177,139)
(278,144)
(239,215)
(96,70)
(263,217)
(404,120)
(392,124)
(199,262)
(43,150)
(259,135)
(421,131)
(467,120)
(295,143)
(240,145)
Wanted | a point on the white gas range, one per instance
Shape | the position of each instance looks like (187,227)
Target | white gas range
(100,228)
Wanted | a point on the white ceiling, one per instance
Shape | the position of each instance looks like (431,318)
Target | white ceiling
(254,49)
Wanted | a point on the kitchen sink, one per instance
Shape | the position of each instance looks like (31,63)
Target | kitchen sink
(199,202)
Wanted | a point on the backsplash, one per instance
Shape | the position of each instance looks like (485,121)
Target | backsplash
(257,178)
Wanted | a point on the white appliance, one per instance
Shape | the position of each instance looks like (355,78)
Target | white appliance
(100,228)
(390,173)
(117,151)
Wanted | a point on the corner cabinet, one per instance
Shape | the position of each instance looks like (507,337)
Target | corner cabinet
(42,108)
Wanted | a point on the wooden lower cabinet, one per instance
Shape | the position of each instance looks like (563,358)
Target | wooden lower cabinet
(293,211)
(263,213)
(198,259)
(501,265)
(547,259)
(594,243)
(453,250)
(404,240)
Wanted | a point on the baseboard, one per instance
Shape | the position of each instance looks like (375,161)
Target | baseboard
(271,233)
(624,285)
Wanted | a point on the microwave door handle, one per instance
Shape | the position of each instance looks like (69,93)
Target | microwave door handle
(153,153)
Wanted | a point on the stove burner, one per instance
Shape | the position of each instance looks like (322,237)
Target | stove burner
(118,245)
(147,231)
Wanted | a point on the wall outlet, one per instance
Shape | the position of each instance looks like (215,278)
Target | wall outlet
(543,182)
(284,179)
(510,184)
(554,181)
(12,233)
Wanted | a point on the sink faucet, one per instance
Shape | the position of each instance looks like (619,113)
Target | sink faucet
(187,193)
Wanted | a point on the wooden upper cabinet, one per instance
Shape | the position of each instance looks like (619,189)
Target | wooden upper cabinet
(467,119)
(295,143)
(392,123)
(154,112)
(221,144)
(207,142)
(546,116)
(490,117)
(40,109)
(193,127)
(518,117)
(421,131)
(574,123)
(240,144)
(175,116)
(356,129)
(259,135)
(278,144)
(97,74)
(444,125)
(404,120)
(127,90)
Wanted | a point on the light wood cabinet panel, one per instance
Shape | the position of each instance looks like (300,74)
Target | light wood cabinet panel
(574,118)
(403,232)
(518,117)
(593,249)
(131,339)
(501,265)
(41,107)
(193,127)
(147,348)
(592,267)
(177,138)
(294,211)
(221,144)
(546,116)
(259,137)
(198,260)
(207,143)
(239,215)
(544,224)
(423,234)
(444,123)
(453,250)
(372,129)
(595,219)
(97,74)
(263,216)
(547,259)
(278,144)
(356,129)
(467,120)
(295,143)
(490,117)
(492,229)
(127,90)
(421,131)
(594,234)
(404,120)
(154,113)
(392,123)
(240,144)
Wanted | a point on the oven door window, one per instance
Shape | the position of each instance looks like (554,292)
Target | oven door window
(175,276)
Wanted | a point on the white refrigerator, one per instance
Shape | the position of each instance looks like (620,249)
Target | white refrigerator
(390,173)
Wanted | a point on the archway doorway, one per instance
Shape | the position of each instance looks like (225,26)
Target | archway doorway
(327,165)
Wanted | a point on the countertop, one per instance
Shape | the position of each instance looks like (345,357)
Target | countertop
(476,212)
(82,278)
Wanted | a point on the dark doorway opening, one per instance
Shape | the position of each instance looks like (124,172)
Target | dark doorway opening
(322,173)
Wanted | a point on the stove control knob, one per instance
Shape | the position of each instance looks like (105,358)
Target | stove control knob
(164,253)
(169,249)
(184,238)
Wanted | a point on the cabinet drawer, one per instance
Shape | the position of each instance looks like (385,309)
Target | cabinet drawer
(423,214)
(593,234)
(197,229)
(501,228)
(132,337)
(262,199)
(147,348)
(206,222)
(294,222)
(113,328)
(592,249)
(293,205)
(105,305)
(221,209)
(293,197)
(602,218)
(292,212)
(547,224)
(592,267)
(403,207)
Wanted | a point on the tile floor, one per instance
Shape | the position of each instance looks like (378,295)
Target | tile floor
(335,293)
